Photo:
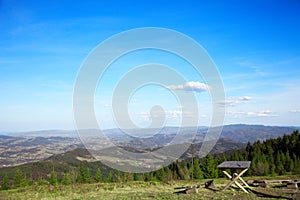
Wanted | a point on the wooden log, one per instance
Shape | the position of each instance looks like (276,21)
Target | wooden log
(209,184)
(290,191)
(292,185)
(191,190)
(263,184)
(250,182)
(258,183)
(296,196)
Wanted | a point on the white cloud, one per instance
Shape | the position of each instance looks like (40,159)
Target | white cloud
(229,102)
(295,111)
(169,114)
(234,101)
(242,114)
(245,98)
(191,86)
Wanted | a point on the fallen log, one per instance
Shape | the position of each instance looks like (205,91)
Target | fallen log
(194,188)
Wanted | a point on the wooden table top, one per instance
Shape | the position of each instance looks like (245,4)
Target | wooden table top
(234,165)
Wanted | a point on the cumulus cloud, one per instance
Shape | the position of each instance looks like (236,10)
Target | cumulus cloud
(191,86)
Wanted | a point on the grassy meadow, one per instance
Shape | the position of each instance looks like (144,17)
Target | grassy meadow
(133,190)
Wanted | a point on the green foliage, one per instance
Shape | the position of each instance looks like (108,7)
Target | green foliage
(30,180)
(274,156)
(18,179)
(5,183)
(84,175)
(138,177)
(110,177)
(160,175)
(42,181)
(98,176)
(66,179)
(197,171)
(127,176)
(152,177)
(209,167)
(53,178)
(183,171)
(168,174)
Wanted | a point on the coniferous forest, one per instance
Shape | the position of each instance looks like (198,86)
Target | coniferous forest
(269,158)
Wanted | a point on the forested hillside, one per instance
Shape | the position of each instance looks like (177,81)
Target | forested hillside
(271,157)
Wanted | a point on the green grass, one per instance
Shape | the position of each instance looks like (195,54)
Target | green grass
(129,190)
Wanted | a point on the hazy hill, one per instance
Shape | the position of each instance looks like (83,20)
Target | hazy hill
(71,160)
(62,163)
(237,132)
(20,148)
(251,133)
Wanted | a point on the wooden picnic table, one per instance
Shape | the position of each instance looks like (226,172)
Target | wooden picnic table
(243,166)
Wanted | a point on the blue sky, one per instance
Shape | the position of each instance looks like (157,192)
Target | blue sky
(255,45)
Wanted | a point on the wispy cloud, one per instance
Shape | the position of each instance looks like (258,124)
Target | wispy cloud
(191,86)
(242,114)
(295,111)
(245,98)
(169,114)
(234,101)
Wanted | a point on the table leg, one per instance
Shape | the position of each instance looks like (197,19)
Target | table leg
(242,180)
(234,180)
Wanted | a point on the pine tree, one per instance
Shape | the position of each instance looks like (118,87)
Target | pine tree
(296,169)
(197,172)
(279,164)
(146,177)
(17,178)
(160,175)
(30,180)
(288,165)
(152,177)
(138,177)
(98,176)
(84,175)
(81,174)
(24,181)
(110,177)
(118,177)
(88,177)
(174,169)
(66,179)
(209,167)
(272,169)
(168,174)
(127,176)
(73,176)
(42,181)
(53,178)
(5,183)
(183,171)
(248,151)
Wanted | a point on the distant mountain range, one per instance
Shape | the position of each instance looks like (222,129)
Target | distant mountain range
(238,132)
(20,148)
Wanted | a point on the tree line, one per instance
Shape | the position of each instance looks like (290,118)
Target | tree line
(271,157)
